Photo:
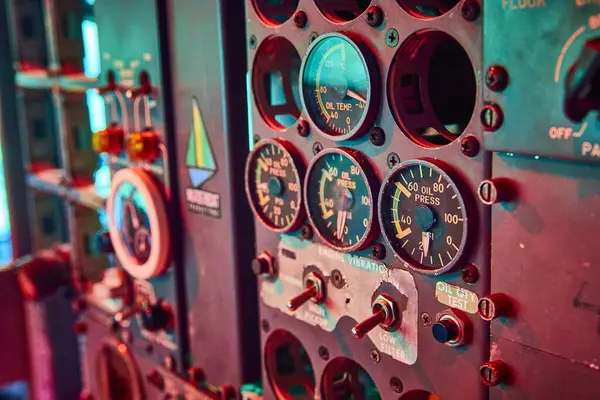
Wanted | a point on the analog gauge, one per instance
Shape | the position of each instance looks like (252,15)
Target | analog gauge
(423,217)
(339,191)
(137,223)
(340,82)
(273,184)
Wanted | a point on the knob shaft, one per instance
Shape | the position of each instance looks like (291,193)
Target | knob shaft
(583,83)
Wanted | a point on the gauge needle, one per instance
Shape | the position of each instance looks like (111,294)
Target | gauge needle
(356,96)
(135,219)
(426,240)
(341,223)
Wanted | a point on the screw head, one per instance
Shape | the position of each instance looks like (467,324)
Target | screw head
(313,36)
(396,384)
(378,251)
(317,147)
(377,136)
(300,19)
(323,353)
(256,139)
(496,78)
(426,319)
(337,279)
(264,324)
(470,10)
(374,16)
(470,274)
(492,117)
(306,232)
(392,37)
(469,146)
(252,42)
(374,356)
(303,128)
(393,159)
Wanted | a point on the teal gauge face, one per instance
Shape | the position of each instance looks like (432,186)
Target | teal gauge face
(131,219)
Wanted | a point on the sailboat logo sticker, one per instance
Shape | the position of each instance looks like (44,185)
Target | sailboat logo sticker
(201,165)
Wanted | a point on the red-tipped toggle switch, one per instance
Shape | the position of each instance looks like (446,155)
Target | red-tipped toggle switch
(314,290)
(385,314)
(110,140)
(143,146)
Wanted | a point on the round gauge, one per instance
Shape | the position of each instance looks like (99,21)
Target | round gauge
(339,198)
(137,223)
(423,217)
(339,76)
(273,184)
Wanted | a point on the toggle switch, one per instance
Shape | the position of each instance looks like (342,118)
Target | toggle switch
(314,290)
(154,317)
(385,315)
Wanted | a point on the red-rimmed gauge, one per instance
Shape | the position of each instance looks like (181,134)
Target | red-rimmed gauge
(274,172)
(339,189)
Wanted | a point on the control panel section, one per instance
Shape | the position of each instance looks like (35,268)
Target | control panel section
(319,285)
(549,102)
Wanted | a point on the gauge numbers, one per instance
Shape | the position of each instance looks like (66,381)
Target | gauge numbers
(273,185)
(423,217)
(336,86)
(339,198)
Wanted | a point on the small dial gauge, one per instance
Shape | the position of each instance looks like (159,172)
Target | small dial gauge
(339,198)
(339,76)
(423,217)
(273,184)
(138,224)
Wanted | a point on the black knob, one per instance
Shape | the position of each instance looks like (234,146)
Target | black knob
(445,331)
(583,83)
(156,317)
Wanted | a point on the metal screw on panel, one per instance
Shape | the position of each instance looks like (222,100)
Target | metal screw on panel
(426,319)
(317,147)
(492,373)
(469,273)
(492,117)
(392,37)
(396,384)
(306,232)
(469,146)
(470,10)
(266,327)
(252,42)
(374,16)
(313,36)
(169,363)
(377,136)
(392,160)
(337,279)
(256,139)
(496,78)
(323,353)
(378,251)
(374,356)
(303,128)
(300,19)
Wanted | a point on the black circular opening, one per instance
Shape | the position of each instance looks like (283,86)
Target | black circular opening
(275,12)
(419,395)
(275,80)
(432,88)
(344,378)
(342,11)
(426,9)
(288,366)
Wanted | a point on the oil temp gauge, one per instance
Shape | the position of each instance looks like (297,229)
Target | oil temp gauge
(423,216)
(274,172)
(339,191)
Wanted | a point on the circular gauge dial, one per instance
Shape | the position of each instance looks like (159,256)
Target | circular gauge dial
(339,197)
(273,184)
(423,217)
(338,75)
(137,223)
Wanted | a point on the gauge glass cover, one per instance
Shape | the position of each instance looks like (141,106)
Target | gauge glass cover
(423,217)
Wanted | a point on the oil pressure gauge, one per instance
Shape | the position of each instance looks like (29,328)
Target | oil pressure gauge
(423,216)
(274,174)
(339,190)
(340,86)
